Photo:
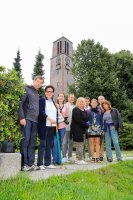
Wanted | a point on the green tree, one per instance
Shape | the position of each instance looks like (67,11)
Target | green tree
(38,69)
(93,70)
(17,65)
(11,89)
(124,67)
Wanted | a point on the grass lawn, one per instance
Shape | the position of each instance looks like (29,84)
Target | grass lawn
(114,182)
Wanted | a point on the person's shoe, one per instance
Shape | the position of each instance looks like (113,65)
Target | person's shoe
(98,160)
(101,158)
(93,160)
(50,167)
(64,160)
(81,162)
(109,160)
(33,167)
(41,167)
(26,168)
(70,159)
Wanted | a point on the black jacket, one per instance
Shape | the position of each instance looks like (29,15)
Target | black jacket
(29,104)
(42,119)
(78,124)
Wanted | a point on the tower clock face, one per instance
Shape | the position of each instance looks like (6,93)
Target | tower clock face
(67,60)
(58,61)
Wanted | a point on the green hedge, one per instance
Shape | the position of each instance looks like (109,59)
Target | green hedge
(11,88)
(126,137)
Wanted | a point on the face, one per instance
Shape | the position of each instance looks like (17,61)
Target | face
(93,104)
(101,99)
(87,102)
(49,93)
(37,83)
(71,99)
(105,106)
(61,97)
(81,104)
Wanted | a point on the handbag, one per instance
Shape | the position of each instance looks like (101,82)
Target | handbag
(7,147)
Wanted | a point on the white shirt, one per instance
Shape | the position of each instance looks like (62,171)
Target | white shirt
(51,112)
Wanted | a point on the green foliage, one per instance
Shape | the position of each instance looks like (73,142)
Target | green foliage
(124,67)
(11,88)
(92,69)
(98,72)
(38,69)
(112,182)
(17,65)
(126,137)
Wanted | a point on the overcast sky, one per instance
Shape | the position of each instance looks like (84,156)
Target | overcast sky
(30,25)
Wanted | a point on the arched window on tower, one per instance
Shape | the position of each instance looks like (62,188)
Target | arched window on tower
(60,46)
(67,48)
(57,48)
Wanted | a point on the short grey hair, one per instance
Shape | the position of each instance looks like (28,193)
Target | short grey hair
(39,77)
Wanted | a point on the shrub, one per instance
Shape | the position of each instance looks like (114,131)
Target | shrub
(126,137)
(11,88)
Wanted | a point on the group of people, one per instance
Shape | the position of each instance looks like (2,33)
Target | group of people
(86,120)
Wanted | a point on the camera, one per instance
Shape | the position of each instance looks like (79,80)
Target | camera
(66,120)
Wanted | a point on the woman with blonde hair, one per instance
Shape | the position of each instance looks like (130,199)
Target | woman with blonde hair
(62,122)
(78,128)
(112,124)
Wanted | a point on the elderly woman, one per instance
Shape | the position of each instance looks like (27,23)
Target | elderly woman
(46,128)
(112,124)
(78,128)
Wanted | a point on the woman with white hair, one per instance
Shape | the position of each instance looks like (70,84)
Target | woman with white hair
(78,128)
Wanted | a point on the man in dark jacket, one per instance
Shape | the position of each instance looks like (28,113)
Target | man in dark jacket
(101,99)
(28,116)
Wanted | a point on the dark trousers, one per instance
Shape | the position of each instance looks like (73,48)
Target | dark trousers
(28,143)
(45,147)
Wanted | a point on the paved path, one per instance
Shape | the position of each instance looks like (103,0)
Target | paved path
(68,169)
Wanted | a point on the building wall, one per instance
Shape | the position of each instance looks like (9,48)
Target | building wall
(61,63)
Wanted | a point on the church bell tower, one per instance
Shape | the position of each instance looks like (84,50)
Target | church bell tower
(61,63)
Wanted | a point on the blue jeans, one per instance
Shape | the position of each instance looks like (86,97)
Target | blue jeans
(55,147)
(28,143)
(114,135)
(45,147)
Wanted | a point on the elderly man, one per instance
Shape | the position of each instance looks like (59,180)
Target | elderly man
(101,99)
(28,116)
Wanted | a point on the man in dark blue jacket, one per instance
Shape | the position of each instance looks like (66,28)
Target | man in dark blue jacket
(28,116)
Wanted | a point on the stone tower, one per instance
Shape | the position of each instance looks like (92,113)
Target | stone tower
(61,63)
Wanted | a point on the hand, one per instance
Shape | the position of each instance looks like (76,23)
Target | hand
(87,123)
(52,121)
(23,122)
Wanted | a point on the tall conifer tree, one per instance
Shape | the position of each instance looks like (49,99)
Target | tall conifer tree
(38,69)
(17,65)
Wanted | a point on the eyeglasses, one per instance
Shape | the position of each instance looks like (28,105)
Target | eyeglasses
(49,91)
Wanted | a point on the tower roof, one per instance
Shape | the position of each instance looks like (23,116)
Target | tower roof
(63,38)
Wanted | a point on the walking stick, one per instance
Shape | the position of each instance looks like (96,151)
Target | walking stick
(58,146)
